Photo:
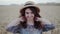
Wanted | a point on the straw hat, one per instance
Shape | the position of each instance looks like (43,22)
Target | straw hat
(28,4)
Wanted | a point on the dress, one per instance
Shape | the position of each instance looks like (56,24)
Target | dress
(30,29)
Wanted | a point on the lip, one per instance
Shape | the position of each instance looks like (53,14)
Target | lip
(29,17)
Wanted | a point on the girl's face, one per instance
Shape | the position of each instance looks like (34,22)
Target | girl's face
(29,14)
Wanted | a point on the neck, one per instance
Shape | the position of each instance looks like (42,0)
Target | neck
(30,22)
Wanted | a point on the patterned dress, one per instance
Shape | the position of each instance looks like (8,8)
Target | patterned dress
(30,29)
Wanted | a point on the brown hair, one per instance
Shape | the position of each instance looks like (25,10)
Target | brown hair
(35,10)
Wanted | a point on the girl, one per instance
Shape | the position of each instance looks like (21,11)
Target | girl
(30,22)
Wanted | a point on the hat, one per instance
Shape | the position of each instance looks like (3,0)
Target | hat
(28,4)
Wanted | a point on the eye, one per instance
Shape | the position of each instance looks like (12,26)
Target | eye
(27,13)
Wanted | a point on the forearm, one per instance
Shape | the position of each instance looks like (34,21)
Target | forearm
(13,23)
(47,25)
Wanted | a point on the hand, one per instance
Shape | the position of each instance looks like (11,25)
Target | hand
(21,19)
(38,19)
(43,20)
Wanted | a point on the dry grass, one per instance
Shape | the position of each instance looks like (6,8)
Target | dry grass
(8,13)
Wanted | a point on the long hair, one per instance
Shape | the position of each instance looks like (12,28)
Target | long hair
(35,10)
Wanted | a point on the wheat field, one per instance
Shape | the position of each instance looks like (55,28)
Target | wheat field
(10,12)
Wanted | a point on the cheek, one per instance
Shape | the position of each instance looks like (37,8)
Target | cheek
(26,15)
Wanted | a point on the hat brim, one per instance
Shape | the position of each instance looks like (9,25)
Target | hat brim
(36,6)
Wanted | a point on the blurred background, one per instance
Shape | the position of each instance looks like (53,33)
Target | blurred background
(9,10)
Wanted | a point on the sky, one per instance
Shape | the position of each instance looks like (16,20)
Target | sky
(8,2)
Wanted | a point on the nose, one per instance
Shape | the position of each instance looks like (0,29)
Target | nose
(29,15)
